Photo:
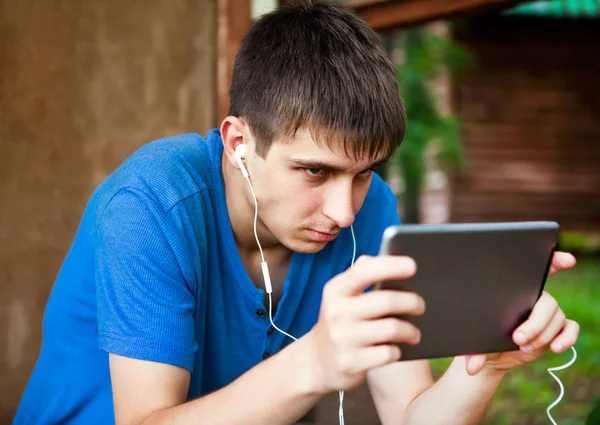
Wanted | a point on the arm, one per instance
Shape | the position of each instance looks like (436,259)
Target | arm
(405,393)
(459,398)
(148,393)
(348,340)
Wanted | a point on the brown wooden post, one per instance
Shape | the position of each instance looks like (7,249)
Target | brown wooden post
(233,22)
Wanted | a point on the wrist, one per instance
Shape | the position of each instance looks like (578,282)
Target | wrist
(312,377)
(493,372)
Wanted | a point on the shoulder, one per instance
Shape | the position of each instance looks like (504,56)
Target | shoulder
(380,203)
(167,170)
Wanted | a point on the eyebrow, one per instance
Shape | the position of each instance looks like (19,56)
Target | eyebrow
(309,163)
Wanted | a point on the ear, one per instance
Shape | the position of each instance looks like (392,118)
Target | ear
(234,132)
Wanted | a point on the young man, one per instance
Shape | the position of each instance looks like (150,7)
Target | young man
(158,314)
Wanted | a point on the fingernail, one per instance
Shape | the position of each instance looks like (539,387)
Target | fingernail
(558,348)
(520,338)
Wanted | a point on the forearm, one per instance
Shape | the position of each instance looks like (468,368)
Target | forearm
(456,398)
(277,391)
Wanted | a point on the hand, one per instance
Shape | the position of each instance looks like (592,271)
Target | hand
(546,328)
(356,331)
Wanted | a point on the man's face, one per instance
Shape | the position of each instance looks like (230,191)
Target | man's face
(306,193)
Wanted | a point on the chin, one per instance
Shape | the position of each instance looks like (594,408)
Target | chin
(305,246)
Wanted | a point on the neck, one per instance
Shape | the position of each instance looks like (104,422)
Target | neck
(240,207)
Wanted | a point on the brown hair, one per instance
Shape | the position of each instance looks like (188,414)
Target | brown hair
(318,66)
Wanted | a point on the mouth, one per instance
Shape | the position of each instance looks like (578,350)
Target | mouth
(322,236)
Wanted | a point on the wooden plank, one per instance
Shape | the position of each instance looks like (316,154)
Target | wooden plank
(387,14)
(233,22)
(530,131)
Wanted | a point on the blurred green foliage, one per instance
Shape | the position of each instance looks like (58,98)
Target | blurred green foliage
(594,416)
(427,57)
(526,392)
(579,242)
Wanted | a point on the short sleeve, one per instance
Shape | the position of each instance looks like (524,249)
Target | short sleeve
(145,307)
(390,216)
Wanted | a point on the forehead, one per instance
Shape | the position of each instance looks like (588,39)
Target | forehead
(303,146)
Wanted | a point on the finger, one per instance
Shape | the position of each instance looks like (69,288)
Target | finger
(380,303)
(553,329)
(541,315)
(378,355)
(385,331)
(567,338)
(475,363)
(562,261)
(369,270)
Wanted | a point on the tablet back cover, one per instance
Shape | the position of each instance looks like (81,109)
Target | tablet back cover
(479,282)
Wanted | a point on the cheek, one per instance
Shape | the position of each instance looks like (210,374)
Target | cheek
(298,198)
(308,202)
(300,201)
(287,194)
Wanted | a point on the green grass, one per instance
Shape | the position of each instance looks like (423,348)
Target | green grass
(526,392)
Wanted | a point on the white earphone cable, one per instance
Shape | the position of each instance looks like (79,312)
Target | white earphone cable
(341,411)
(263,260)
(551,371)
(269,290)
(255,218)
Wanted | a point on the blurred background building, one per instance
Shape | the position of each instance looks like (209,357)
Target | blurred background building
(83,84)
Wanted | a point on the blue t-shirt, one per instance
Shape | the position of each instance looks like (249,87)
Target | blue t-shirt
(154,273)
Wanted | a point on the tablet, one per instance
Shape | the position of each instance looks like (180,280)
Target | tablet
(479,282)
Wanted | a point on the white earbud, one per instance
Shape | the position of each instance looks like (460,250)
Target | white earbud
(240,151)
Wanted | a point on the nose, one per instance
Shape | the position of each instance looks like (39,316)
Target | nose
(338,206)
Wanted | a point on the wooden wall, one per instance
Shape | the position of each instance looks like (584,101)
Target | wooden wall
(82,84)
(530,109)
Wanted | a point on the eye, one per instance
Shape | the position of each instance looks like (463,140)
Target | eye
(314,172)
(367,172)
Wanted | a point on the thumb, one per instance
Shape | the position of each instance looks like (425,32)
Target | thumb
(475,363)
